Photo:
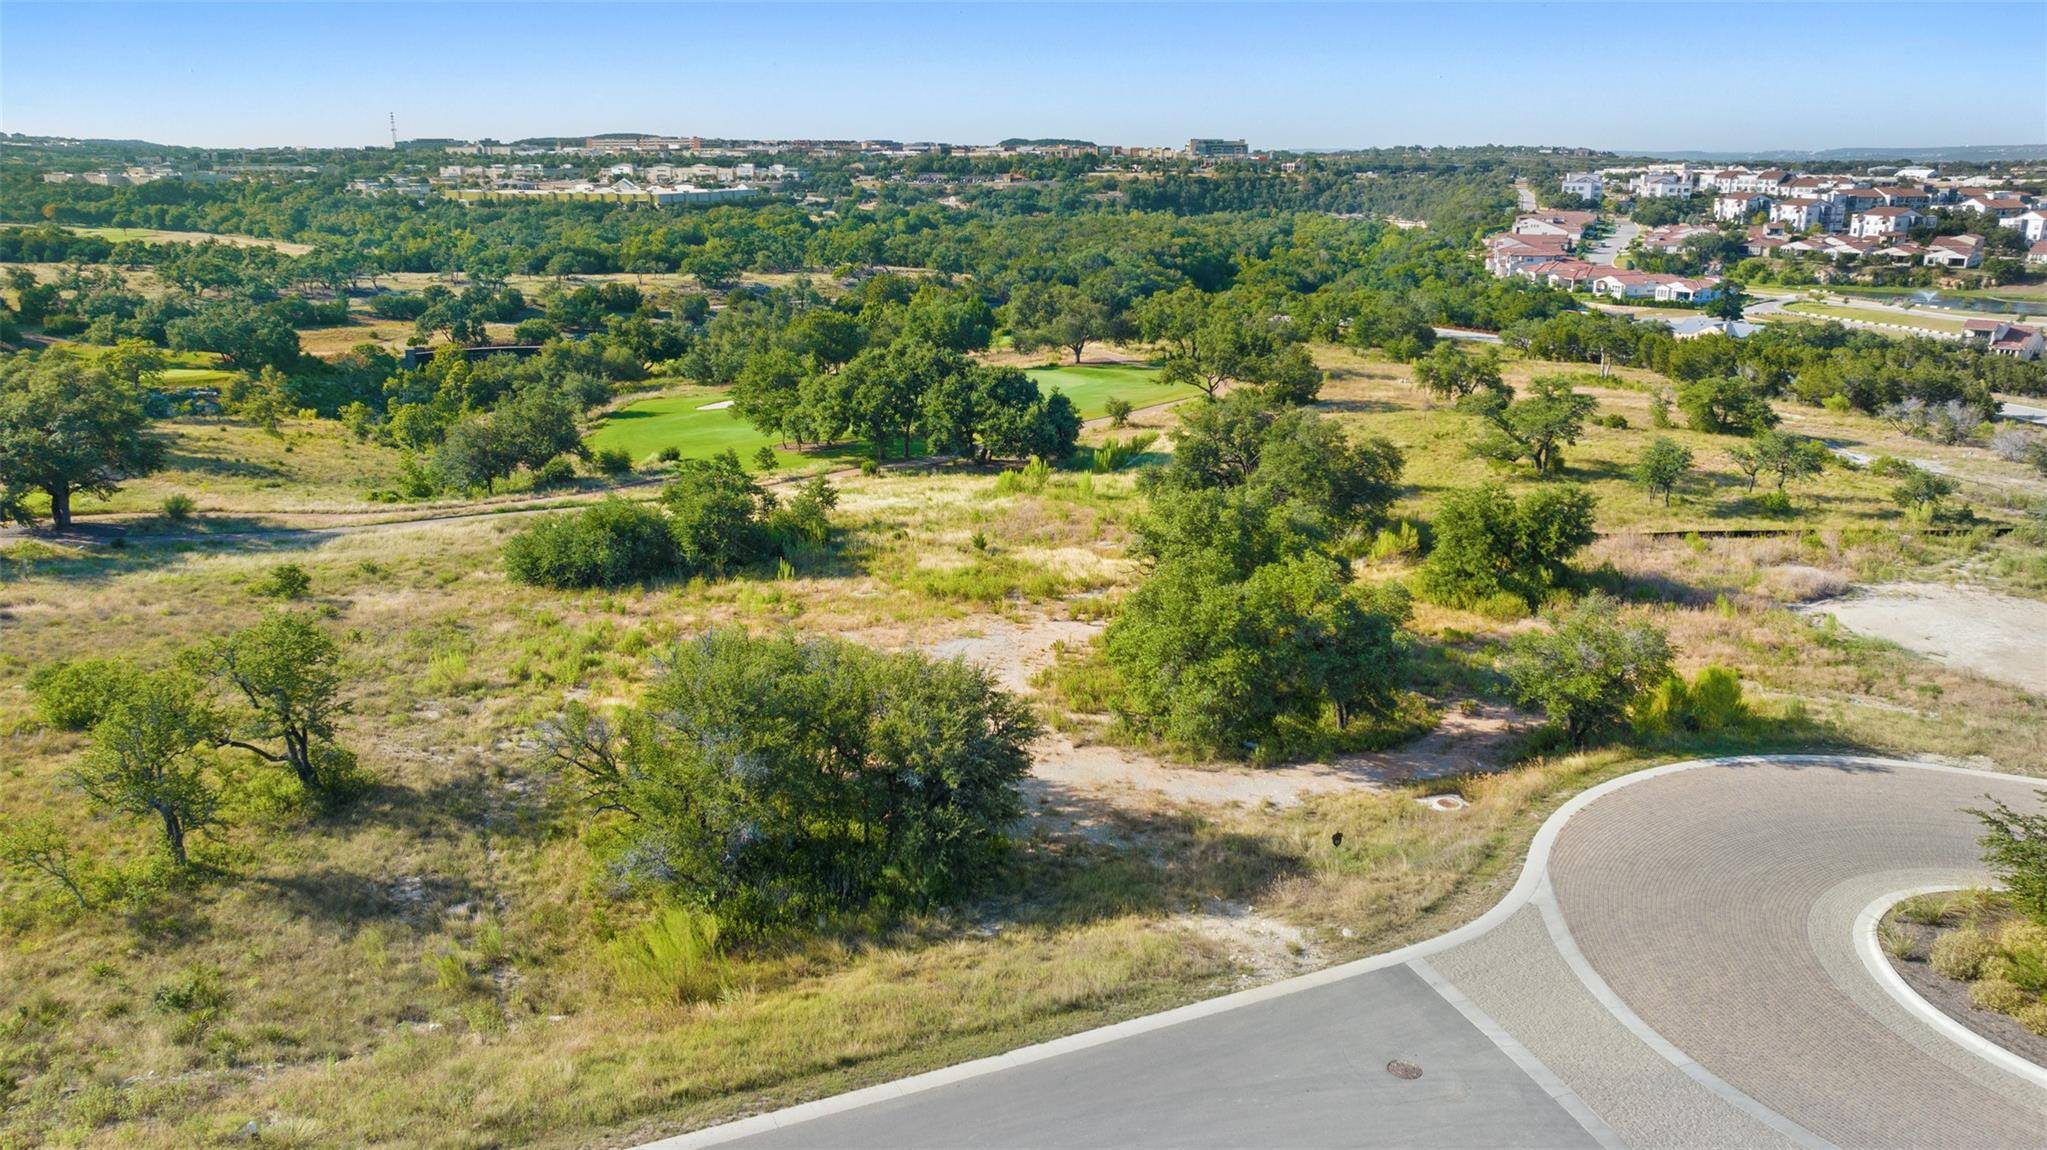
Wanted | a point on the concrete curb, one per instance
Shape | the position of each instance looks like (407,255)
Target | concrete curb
(1582,1113)
(1871,952)
(1533,877)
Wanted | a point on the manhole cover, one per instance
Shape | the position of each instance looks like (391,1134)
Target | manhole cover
(1404,1070)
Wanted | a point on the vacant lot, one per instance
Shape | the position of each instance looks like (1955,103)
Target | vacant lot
(1371,395)
(1995,635)
(431,967)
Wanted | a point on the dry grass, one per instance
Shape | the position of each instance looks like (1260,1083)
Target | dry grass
(428,969)
(1374,396)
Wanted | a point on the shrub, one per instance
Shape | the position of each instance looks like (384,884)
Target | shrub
(1715,699)
(195,999)
(1589,668)
(2033,1017)
(2015,850)
(613,461)
(607,545)
(1923,492)
(1999,995)
(669,454)
(285,581)
(1959,954)
(1026,480)
(178,508)
(1488,542)
(1116,454)
(772,780)
(804,521)
(1925,909)
(1237,665)
(1402,538)
(764,459)
(1775,504)
(718,513)
(672,959)
(870,466)
(73,696)
(1118,410)
(556,472)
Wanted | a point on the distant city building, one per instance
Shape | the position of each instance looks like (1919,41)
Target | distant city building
(1202,149)
(617,192)
(1584,185)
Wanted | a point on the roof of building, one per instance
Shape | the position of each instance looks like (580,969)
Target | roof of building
(1701,324)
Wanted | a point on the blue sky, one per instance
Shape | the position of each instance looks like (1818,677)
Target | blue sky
(1644,75)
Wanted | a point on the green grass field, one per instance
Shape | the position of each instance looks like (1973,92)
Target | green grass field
(1092,386)
(1867,315)
(196,376)
(685,420)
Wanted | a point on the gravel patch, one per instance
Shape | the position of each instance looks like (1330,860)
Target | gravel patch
(1997,636)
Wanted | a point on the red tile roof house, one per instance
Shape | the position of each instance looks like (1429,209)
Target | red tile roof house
(1877,222)
(1739,205)
(2001,338)
(1954,252)
(1997,207)
(2037,254)
(1766,238)
(1672,237)
(1507,253)
(1802,212)
(1854,199)
(1769,181)
(1569,275)
(1690,289)
(1570,225)
(1626,284)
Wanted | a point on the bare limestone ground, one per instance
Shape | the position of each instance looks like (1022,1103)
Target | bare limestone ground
(2000,636)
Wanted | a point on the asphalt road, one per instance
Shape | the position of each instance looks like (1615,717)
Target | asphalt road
(1616,242)
(1310,1069)
(1676,966)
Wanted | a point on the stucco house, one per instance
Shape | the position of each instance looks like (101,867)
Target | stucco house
(1954,252)
(1887,221)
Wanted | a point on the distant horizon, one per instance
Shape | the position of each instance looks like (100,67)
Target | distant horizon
(1285,77)
(505,139)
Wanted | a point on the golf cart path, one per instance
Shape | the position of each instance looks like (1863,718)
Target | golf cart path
(1677,964)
